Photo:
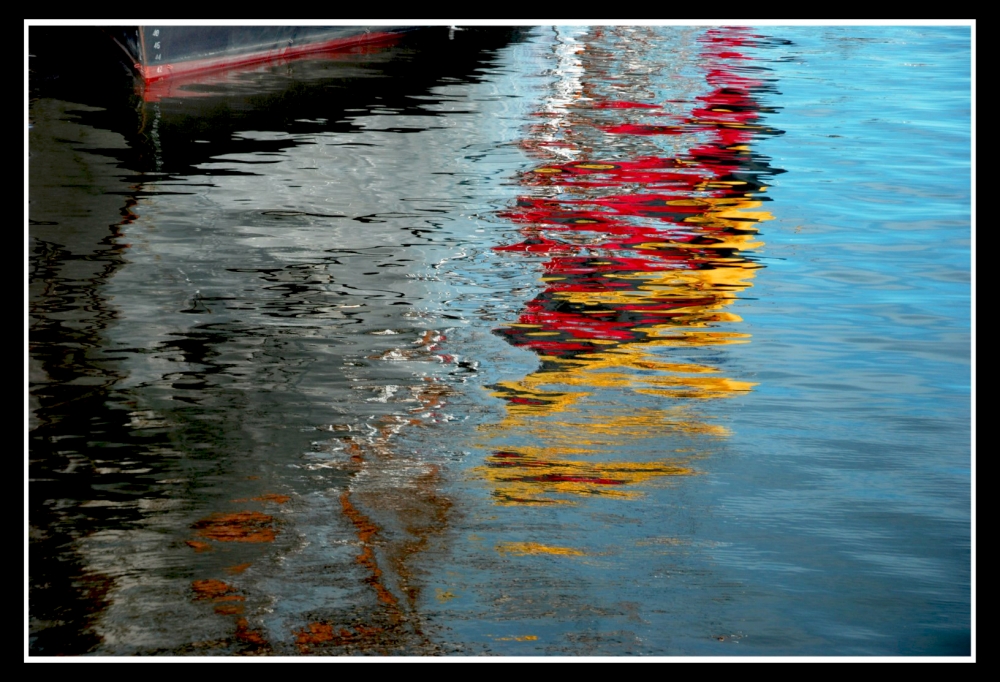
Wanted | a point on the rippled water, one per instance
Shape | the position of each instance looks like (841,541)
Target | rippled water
(555,341)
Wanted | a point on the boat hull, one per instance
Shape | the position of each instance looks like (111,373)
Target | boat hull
(164,52)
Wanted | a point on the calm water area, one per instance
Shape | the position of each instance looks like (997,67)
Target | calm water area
(547,341)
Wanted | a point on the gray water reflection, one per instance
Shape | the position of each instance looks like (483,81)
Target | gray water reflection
(261,338)
(73,254)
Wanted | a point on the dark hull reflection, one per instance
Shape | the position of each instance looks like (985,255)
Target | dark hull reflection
(217,388)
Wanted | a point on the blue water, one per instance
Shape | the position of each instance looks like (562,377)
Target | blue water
(297,398)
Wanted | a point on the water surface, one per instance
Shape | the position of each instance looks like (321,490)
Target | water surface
(557,341)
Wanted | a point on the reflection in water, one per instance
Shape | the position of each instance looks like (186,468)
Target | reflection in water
(333,291)
(646,250)
(234,483)
(260,306)
(77,488)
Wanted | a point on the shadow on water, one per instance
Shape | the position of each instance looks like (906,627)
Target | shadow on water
(166,473)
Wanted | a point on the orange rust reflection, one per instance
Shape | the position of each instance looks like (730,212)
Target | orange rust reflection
(211,590)
(268,497)
(367,532)
(413,513)
(248,635)
(272,497)
(316,633)
(324,633)
(226,601)
(242,527)
(248,526)
(216,591)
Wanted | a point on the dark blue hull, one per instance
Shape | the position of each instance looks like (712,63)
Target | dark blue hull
(162,52)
